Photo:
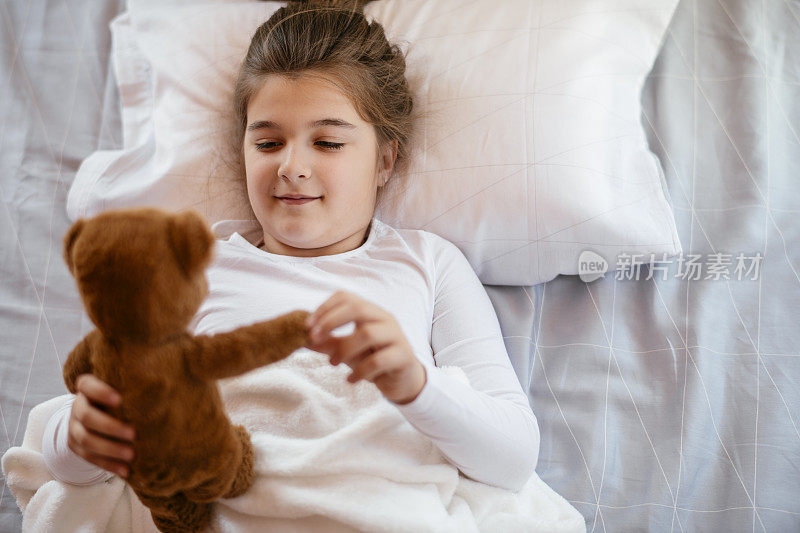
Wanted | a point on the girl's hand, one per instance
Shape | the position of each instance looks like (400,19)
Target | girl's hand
(377,350)
(97,436)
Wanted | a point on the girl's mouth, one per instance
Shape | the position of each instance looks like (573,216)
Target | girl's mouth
(296,201)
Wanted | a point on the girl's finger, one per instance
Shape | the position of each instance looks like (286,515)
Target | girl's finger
(329,346)
(98,445)
(375,335)
(121,469)
(374,365)
(340,298)
(99,422)
(353,359)
(340,315)
(97,390)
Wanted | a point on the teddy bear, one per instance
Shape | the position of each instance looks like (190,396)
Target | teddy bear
(140,273)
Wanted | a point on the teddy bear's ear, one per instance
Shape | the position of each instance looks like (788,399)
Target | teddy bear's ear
(69,241)
(191,240)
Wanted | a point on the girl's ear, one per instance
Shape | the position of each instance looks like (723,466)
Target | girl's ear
(386,161)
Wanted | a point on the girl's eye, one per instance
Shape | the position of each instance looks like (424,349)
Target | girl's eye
(332,146)
(325,144)
(263,146)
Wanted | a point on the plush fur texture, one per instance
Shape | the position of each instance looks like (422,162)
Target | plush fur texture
(141,276)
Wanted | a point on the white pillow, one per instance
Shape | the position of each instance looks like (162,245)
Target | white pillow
(531,150)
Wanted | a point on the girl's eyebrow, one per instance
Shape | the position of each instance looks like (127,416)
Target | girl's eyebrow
(268,124)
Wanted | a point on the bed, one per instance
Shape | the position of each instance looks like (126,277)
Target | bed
(664,402)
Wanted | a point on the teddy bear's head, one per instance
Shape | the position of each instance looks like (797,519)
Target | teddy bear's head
(140,272)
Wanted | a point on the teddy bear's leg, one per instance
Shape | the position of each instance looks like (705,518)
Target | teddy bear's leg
(177,514)
(196,523)
(233,480)
(245,474)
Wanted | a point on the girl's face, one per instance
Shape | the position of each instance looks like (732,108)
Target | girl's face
(304,138)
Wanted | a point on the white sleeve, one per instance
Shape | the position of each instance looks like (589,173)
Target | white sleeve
(487,428)
(63,463)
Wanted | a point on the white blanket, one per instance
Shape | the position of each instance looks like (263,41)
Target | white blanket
(330,456)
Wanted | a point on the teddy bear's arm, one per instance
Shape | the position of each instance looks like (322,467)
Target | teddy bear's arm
(78,362)
(235,352)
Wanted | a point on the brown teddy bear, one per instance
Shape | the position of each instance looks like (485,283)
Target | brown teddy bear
(141,275)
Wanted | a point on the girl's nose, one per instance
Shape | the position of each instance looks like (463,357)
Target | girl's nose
(294,165)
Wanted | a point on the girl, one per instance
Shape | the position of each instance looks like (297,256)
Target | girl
(324,114)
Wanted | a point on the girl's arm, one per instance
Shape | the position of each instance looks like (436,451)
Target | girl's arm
(61,461)
(82,444)
(487,429)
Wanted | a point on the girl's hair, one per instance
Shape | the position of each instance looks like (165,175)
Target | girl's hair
(333,39)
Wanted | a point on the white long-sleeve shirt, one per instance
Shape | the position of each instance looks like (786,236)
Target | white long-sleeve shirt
(486,429)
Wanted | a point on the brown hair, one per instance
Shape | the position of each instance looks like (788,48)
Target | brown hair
(333,39)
